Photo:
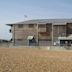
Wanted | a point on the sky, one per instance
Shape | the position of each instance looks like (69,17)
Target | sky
(15,10)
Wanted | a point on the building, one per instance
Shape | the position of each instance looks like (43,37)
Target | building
(42,32)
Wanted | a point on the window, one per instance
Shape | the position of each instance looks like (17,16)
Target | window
(20,26)
(42,26)
(31,25)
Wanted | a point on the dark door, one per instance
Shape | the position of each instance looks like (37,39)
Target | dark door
(32,42)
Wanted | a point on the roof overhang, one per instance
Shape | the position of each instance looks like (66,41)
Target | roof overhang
(44,21)
(10,24)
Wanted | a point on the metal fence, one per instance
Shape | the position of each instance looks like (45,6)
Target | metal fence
(10,45)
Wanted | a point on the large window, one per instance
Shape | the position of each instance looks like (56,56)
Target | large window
(31,25)
(20,26)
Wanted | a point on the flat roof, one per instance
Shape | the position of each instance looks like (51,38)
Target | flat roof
(45,21)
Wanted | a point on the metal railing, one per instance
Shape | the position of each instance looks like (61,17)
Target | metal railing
(10,45)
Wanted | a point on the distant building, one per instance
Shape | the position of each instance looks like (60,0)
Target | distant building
(42,32)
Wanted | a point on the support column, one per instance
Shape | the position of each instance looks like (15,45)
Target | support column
(37,36)
(52,33)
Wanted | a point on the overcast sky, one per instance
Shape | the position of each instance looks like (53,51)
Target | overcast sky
(14,10)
